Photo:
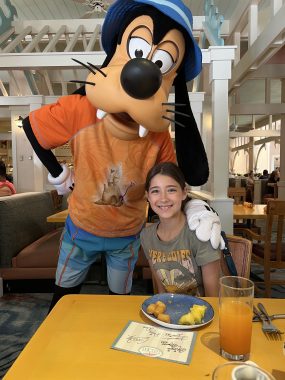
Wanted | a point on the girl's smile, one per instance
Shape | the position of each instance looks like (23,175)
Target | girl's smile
(165,196)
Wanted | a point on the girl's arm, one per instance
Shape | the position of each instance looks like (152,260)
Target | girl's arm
(211,275)
(157,285)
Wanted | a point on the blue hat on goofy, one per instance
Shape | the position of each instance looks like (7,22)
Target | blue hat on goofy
(174,9)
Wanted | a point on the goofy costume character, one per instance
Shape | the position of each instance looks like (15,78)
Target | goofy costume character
(117,127)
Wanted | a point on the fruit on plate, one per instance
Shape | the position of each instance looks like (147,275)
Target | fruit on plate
(194,316)
(187,319)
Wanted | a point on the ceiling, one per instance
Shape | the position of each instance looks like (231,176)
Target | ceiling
(74,9)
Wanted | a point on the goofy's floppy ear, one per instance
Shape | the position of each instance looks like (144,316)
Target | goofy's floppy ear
(190,151)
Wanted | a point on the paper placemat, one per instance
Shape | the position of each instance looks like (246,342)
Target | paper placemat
(156,342)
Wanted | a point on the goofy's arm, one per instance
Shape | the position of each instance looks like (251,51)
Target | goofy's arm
(59,174)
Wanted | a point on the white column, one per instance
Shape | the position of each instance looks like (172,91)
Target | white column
(220,72)
(28,172)
(196,101)
(21,150)
(38,168)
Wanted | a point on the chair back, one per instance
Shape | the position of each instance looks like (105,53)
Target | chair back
(241,253)
(237,193)
(232,182)
(275,211)
(268,250)
(267,196)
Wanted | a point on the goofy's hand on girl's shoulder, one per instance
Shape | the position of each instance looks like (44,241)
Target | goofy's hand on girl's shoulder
(205,222)
(64,183)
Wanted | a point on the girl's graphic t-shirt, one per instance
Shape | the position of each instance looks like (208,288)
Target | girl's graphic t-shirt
(177,263)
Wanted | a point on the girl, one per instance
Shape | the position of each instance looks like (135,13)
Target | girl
(179,262)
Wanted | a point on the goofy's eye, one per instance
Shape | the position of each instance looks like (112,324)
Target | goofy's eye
(138,48)
(163,60)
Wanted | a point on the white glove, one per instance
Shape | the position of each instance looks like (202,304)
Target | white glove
(64,183)
(205,222)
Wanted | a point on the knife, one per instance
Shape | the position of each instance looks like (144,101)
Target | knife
(273,316)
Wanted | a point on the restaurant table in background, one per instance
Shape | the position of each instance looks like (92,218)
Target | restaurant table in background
(243,212)
(59,217)
(74,342)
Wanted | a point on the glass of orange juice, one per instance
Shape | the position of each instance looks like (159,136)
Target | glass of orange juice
(235,317)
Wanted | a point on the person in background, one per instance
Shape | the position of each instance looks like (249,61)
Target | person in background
(271,183)
(249,187)
(6,187)
(180,263)
(264,175)
(250,178)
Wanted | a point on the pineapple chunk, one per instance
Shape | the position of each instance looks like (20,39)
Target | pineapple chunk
(198,311)
(195,315)
(199,307)
(186,319)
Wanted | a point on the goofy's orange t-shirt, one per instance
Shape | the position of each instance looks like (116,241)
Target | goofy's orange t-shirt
(108,198)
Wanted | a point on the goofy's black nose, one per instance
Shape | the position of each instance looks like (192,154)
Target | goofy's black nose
(141,78)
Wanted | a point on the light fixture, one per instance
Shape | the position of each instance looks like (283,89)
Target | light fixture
(20,118)
(233,127)
(96,8)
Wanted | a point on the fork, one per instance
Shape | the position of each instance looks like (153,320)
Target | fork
(262,319)
(267,326)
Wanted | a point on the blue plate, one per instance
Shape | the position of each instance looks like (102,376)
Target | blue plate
(176,306)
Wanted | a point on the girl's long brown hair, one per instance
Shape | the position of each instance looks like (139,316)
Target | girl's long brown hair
(171,170)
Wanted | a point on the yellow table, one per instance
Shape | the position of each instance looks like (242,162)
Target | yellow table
(74,343)
(242,212)
(59,217)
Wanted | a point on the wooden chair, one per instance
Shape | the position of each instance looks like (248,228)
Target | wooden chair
(238,194)
(268,250)
(241,249)
(271,196)
(241,253)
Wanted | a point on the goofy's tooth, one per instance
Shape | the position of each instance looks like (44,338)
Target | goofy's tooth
(142,131)
(101,114)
